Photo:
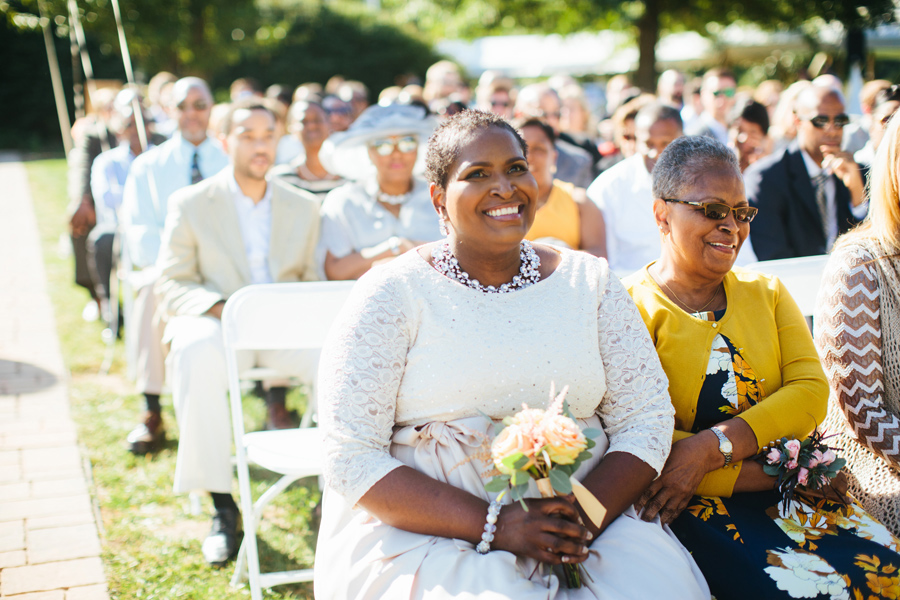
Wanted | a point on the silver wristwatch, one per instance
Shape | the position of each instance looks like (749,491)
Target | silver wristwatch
(725,446)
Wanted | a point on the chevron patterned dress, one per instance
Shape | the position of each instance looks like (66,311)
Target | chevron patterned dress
(857,325)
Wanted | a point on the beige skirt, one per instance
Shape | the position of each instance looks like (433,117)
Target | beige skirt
(358,556)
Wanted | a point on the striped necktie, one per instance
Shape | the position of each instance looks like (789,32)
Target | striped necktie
(829,219)
(196,175)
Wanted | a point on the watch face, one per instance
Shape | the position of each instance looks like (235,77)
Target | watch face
(725,447)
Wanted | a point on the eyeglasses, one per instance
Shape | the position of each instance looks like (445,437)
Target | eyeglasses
(822,121)
(727,92)
(719,212)
(500,103)
(385,147)
(199,106)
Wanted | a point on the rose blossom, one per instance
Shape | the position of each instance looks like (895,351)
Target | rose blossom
(793,448)
(513,439)
(817,457)
(773,456)
(791,464)
(803,475)
(564,439)
(828,458)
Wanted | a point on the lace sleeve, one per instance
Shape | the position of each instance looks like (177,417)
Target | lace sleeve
(636,411)
(360,370)
(848,336)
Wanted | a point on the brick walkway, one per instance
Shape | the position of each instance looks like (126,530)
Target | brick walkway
(49,546)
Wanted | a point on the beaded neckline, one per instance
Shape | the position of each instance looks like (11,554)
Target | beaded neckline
(529,274)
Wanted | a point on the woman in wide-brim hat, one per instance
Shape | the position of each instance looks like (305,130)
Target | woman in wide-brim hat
(385,210)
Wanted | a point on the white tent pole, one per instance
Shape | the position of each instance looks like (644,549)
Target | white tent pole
(129,73)
(59,94)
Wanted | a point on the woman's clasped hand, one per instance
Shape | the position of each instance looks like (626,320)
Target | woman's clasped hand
(550,531)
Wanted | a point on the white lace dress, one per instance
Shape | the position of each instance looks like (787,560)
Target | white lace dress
(412,365)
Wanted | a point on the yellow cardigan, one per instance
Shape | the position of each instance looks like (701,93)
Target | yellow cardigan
(767,327)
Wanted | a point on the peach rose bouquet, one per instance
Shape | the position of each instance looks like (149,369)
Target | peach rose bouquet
(547,446)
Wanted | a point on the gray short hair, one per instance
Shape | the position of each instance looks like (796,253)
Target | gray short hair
(686,160)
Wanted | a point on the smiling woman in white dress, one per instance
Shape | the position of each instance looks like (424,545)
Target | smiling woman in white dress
(422,351)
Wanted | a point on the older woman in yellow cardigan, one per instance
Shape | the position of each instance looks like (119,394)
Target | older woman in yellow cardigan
(743,371)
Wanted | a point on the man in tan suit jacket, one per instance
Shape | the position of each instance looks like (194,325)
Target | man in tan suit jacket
(233,229)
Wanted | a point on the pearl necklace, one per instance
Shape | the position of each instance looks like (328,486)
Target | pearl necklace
(446,263)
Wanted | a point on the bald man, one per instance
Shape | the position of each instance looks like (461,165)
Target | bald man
(810,192)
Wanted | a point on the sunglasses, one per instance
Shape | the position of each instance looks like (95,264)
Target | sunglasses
(821,121)
(718,211)
(198,106)
(385,147)
(727,92)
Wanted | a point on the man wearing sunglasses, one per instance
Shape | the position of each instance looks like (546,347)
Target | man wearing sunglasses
(810,192)
(717,96)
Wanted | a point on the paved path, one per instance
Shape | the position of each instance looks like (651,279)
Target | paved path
(49,546)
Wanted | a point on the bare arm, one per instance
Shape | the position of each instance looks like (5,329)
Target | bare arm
(691,459)
(593,227)
(355,264)
(414,502)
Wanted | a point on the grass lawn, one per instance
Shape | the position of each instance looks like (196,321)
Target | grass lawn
(151,539)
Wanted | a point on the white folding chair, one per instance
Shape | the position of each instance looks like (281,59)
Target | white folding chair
(801,276)
(281,316)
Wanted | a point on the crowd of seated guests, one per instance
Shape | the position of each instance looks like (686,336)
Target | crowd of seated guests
(313,182)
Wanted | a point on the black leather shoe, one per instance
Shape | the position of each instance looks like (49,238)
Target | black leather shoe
(149,436)
(221,544)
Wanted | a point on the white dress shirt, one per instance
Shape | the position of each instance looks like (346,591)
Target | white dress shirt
(108,174)
(154,176)
(624,193)
(255,219)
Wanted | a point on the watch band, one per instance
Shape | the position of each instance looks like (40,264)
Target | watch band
(725,446)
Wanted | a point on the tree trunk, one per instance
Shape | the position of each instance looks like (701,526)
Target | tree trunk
(648,35)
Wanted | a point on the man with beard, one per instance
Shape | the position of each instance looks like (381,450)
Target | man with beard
(810,192)
(234,229)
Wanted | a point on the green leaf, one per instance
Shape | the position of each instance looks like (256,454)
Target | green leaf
(510,461)
(521,461)
(560,481)
(592,432)
(519,478)
(497,484)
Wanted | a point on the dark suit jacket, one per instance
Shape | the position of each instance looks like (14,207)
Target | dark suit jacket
(788,224)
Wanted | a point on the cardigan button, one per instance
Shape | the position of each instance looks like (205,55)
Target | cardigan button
(715,325)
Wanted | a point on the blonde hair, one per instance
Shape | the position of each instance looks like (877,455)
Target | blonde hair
(883,220)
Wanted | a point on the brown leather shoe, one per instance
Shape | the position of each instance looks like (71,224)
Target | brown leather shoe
(149,436)
(280,417)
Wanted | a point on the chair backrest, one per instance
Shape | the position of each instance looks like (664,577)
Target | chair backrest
(801,276)
(282,315)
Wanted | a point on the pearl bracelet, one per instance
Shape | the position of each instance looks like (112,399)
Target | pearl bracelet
(484,546)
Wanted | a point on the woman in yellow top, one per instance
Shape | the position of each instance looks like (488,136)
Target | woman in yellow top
(564,213)
(743,371)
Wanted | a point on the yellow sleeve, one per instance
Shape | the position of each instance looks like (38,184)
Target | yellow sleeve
(716,483)
(800,404)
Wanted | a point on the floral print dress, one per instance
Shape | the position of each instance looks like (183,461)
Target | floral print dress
(748,547)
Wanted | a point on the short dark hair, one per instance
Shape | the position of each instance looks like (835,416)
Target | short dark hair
(686,160)
(753,112)
(247,104)
(540,123)
(444,144)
